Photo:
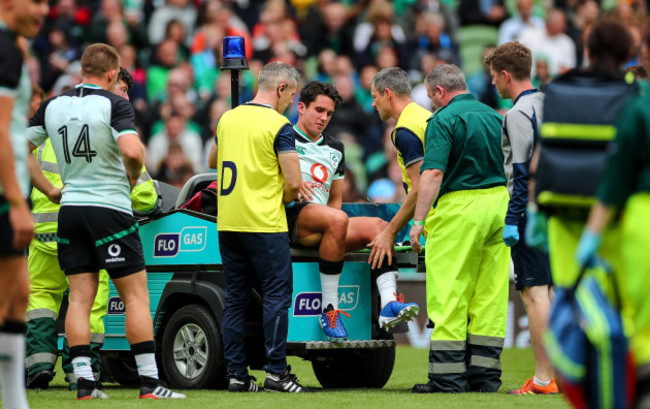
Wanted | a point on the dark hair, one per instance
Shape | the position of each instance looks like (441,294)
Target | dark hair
(311,91)
(512,57)
(609,45)
(125,77)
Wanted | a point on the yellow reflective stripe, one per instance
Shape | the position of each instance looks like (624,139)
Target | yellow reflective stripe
(549,198)
(97,338)
(144,177)
(440,368)
(447,345)
(45,217)
(485,341)
(40,313)
(40,357)
(49,167)
(578,131)
(485,362)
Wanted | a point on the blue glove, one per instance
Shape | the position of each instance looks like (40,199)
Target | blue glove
(536,229)
(510,235)
(587,249)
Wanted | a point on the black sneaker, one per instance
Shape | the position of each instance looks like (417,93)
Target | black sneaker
(248,385)
(40,379)
(285,382)
(424,388)
(151,388)
(87,389)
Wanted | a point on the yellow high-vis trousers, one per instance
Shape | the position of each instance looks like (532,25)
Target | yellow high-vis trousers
(47,285)
(563,238)
(635,254)
(467,267)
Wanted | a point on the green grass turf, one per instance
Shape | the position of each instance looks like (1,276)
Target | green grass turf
(410,368)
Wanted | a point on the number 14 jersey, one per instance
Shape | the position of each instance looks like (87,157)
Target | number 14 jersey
(84,125)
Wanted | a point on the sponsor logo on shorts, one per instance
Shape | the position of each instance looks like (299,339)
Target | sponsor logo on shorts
(114,251)
(116,306)
(189,239)
(310,303)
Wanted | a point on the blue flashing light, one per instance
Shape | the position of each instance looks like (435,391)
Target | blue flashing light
(233,47)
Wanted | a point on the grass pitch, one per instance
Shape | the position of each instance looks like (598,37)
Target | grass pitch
(410,368)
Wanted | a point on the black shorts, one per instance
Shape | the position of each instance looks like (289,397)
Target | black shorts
(532,267)
(292,221)
(6,232)
(94,238)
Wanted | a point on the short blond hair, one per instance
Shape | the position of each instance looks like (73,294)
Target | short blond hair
(99,58)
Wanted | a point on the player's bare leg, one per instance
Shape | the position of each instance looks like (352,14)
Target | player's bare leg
(537,301)
(329,226)
(83,288)
(135,296)
(361,231)
(139,332)
(15,282)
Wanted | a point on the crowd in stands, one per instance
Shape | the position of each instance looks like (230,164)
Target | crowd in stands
(173,50)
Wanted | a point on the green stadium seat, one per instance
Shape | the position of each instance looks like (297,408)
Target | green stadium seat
(472,41)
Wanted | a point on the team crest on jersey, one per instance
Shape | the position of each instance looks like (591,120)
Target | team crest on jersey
(334,158)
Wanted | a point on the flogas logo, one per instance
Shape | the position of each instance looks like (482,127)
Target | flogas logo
(189,239)
(309,303)
(116,306)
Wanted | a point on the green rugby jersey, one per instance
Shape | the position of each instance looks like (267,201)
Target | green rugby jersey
(15,84)
(321,163)
(84,125)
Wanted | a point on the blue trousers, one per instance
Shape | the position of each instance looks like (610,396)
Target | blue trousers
(266,256)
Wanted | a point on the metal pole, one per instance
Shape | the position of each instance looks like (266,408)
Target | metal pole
(234,59)
(234,88)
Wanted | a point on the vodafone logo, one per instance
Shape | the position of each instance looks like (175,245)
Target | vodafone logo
(319,172)
(114,250)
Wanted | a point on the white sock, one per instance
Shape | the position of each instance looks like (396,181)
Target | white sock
(146,364)
(12,370)
(540,382)
(387,287)
(330,290)
(82,368)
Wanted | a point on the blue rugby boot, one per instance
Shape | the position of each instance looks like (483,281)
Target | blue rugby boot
(332,324)
(396,312)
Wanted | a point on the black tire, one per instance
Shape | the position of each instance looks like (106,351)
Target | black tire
(121,368)
(197,364)
(354,368)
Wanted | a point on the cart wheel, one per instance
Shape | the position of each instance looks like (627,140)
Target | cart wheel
(354,368)
(192,350)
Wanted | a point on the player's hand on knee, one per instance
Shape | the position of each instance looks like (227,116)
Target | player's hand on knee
(382,245)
